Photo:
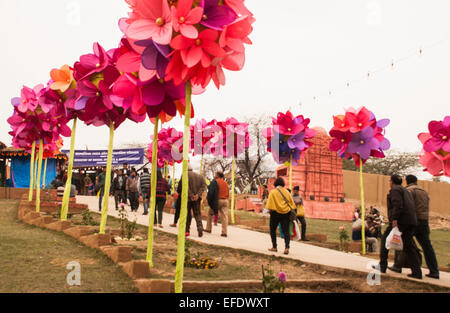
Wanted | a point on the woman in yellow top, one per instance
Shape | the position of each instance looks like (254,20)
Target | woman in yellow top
(280,203)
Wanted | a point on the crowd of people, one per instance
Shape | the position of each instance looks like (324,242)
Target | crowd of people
(408,209)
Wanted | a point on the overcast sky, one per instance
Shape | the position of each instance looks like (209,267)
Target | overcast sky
(302,49)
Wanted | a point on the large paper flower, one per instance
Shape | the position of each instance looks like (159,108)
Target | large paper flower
(436,161)
(151,19)
(185,18)
(358,135)
(289,137)
(215,15)
(440,136)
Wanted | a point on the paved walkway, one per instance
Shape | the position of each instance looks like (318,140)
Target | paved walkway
(254,241)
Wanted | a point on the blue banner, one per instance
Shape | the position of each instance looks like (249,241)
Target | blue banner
(85,158)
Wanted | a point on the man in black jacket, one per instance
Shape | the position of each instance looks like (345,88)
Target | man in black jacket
(401,214)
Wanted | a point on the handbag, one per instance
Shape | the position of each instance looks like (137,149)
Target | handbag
(292,213)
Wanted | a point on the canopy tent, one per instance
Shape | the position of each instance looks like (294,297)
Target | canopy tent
(20,167)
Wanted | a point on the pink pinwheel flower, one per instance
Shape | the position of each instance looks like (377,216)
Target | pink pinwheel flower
(184,18)
(126,93)
(129,60)
(90,64)
(151,19)
(216,16)
(29,99)
(440,136)
(363,142)
(199,50)
(359,120)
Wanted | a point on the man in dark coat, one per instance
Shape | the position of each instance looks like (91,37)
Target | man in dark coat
(213,196)
(401,214)
(422,233)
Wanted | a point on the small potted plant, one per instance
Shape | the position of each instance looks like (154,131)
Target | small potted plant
(343,239)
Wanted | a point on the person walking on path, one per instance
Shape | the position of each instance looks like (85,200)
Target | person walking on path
(422,233)
(145,189)
(133,190)
(119,185)
(222,196)
(87,183)
(197,186)
(162,188)
(279,204)
(101,177)
(401,214)
(300,211)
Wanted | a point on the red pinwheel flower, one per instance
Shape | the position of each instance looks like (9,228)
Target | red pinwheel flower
(359,120)
(185,18)
(198,50)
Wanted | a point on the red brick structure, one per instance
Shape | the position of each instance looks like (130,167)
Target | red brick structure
(319,174)
(320,178)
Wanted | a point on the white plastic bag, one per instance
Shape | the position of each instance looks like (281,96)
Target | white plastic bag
(394,240)
(297,231)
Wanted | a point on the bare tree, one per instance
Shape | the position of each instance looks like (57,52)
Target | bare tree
(401,163)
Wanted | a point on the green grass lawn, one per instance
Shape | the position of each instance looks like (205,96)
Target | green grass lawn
(34,260)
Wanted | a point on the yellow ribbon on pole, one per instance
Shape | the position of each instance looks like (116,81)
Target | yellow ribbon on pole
(38,179)
(66,196)
(363,214)
(151,222)
(290,173)
(233,170)
(184,194)
(35,171)
(45,172)
(173,179)
(107,180)
(201,165)
(30,192)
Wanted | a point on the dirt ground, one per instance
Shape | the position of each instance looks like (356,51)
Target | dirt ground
(240,264)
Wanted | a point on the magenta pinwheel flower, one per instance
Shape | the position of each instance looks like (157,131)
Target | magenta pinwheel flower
(340,141)
(288,125)
(159,95)
(216,16)
(437,162)
(440,136)
(170,147)
(90,64)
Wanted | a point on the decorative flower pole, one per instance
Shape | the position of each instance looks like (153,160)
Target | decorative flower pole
(204,37)
(161,154)
(288,139)
(231,140)
(358,135)
(435,156)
